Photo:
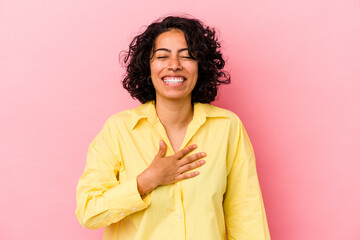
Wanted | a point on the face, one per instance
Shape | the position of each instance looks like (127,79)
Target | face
(173,72)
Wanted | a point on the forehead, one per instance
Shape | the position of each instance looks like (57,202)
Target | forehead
(174,38)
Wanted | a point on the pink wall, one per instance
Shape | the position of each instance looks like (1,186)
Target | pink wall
(295,68)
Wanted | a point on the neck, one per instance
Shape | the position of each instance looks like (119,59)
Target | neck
(175,114)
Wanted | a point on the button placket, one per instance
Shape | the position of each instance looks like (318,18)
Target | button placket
(179,212)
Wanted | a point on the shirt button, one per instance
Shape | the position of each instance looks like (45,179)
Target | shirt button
(134,208)
(122,214)
(179,215)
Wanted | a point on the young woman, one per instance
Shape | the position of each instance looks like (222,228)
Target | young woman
(175,167)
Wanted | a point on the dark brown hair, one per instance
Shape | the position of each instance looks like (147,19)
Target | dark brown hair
(203,46)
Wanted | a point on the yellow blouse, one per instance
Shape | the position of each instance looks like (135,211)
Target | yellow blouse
(224,199)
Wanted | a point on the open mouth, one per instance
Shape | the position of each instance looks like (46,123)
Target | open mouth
(174,81)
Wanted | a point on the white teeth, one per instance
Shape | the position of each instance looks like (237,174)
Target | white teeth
(173,80)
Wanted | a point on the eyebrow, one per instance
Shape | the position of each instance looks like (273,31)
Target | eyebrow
(168,50)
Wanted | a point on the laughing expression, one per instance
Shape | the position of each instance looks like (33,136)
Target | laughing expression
(173,72)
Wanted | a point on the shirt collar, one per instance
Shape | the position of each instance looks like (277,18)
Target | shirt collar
(148,111)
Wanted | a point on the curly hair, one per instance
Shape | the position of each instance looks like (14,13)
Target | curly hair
(203,46)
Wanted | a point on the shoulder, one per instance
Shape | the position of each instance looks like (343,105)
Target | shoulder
(218,112)
(129,117)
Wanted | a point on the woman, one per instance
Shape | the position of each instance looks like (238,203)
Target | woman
(175,167)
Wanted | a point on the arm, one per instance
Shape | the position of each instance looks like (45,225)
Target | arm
(243,205)
(101,198)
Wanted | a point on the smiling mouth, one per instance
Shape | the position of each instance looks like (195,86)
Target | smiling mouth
(174,81)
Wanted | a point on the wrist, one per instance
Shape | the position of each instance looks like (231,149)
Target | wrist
(145,183)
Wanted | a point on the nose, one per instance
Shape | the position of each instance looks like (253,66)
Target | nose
(174,64)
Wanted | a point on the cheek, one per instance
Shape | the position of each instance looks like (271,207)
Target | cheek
(192,68)
(155,69)
(195,72)
(195,69)
(152,69)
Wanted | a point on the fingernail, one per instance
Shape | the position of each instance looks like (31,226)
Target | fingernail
(196,173)
(194,146)
(203,154)
(202,161)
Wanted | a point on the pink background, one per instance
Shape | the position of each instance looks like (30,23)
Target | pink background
(295,69)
